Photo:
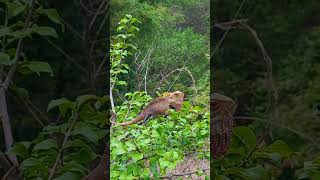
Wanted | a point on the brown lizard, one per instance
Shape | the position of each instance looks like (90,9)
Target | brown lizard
(159,106)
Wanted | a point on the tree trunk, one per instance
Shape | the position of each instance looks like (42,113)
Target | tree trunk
(4,116)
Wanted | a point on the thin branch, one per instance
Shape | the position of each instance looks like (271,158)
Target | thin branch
(6,175)
(103,21)
(227,31)
(72,29)
(99,11)
(44,116)
(30,110)
(101,64)
(180,69)
(67,135)
(260,140)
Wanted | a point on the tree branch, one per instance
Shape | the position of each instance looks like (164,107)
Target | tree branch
(18,49)
(67,135)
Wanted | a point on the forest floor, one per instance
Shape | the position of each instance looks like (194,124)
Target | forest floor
(191,165)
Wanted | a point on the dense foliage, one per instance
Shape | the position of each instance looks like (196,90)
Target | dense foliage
(169,40)
(157,147)
(290,35)
(250,158)
(47,58)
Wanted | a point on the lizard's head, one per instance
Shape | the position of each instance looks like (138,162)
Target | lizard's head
(177,97)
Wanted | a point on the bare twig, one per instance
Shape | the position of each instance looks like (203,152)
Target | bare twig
(272,94)
(101,64)
(256,146)
(179,70)
(104,20)
(44,116)
(72,29)
(99,11)
(227,31)
(30,110)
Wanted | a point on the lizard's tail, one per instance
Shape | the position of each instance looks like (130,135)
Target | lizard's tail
(137,119)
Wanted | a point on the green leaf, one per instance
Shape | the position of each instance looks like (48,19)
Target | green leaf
(118,148)
(82,156)
(77,143)
(21,92)
(14,9)
(129,16)
(281,147)
(136,156)
(163,163)
(5,59)
(21,33)
(86,131)
(258,172)
(274,157)
(84,98)
(44,31)
(20,149)
(120,28)
(246,136)
(50,129)
(52,14)
(74,166)
(122,83)
(69,176)
(59,103)
(30,162)
(39,67)
(46,144)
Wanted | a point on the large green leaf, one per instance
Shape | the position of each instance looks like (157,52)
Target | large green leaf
(82,156)
(73,166)
(57,103)
(51,129)
(38,67)
(30,162)
(244,136)
(45,31)
(52,14)
(20,149)
(46,144)
(136,156)
(258,172)
(274,157)
(89,132)
(14,9)
(21,92)
(281,147)
(85,98)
